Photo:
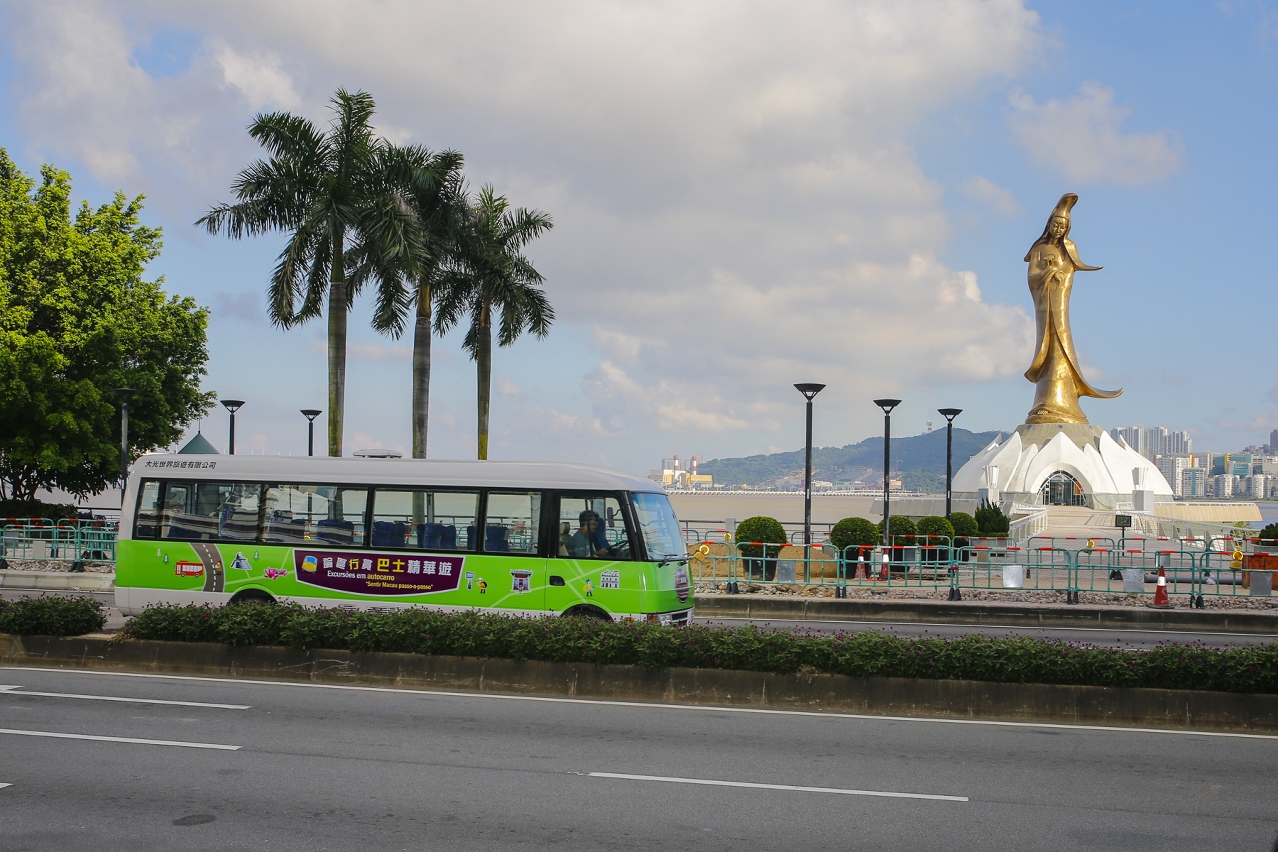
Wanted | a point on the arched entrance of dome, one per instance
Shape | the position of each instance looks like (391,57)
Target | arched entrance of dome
(1062,489)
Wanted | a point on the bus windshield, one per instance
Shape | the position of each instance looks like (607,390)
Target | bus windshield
(659,526)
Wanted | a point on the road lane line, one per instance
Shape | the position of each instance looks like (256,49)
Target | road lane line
(61,736)
(5,785)
(706,708)
(18,690)
(710,783)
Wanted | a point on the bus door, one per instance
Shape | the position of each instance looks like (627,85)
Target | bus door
(592,562)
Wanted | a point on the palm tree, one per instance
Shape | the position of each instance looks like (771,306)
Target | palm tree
(334,192)
(490,275)
(439,206)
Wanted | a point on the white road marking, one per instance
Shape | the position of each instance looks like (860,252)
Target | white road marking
(18,690)
(707,708)
(61,736)
(710,783)
(5,785)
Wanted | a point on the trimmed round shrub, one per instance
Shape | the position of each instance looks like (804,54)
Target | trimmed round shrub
(760,528)
(963,523)
(902,528)
(854,531)
(935,525)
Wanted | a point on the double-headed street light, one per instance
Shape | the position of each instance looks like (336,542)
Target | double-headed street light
(949,414)
(809,390)
(887,405)
(124,395)
(310,414)
(232,405)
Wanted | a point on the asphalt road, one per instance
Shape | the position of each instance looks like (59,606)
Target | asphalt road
(1088,635)
(298,767)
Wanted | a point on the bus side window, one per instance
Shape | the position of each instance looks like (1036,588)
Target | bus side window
(513,522)
(592,526)
(425,520)
(148,515)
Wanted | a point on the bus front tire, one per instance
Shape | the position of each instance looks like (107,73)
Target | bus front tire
(587,611)
(251,597)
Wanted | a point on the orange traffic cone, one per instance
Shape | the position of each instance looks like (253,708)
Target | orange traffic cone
(1161,601)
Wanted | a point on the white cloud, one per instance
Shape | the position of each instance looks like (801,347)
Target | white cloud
(1081,138)
(987,192)
(737,204)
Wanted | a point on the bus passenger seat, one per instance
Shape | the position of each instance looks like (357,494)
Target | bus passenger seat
(389,533)
(333,531)
(495,539)
(565,535)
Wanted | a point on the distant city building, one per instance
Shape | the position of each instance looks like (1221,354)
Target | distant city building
(1273,442)
(1193,482)
(1257,486)
(1171,468)
(1223,485)
(677,474)
(1155,441)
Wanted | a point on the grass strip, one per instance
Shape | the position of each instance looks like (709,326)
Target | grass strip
(1246,669)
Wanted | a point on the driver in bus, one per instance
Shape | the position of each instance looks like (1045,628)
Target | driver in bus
(588,541)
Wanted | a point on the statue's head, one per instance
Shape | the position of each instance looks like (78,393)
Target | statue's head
(1058,226)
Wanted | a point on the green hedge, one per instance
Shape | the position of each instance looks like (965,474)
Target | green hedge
(51,616)
(578,640)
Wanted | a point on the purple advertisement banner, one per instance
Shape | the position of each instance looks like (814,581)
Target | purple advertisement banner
(363,573)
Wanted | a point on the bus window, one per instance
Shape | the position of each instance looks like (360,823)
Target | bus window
(591,526)
(315,514)
(425,520)
(148,510)
(210,511)
(513,522)
(659,526)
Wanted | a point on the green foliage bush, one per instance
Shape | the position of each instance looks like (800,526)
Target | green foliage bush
(760,528)
(1251,669)
(854,531)
(990,519)
(37,509)
(903,530)
(48,616)
(935,525)
(1269,532)
(964,524)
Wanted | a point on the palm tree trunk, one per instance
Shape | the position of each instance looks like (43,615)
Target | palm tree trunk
(421,370)
(484,369)
(336,349)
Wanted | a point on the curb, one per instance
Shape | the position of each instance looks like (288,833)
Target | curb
(1013,615)
(57,581)
(1092,705)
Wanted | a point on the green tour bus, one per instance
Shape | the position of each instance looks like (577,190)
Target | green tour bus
(524,538)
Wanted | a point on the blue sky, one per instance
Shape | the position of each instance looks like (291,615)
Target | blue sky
(745,196)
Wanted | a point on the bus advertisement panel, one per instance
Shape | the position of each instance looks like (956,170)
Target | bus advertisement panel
(524,538)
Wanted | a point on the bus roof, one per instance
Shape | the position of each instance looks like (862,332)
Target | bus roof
(369,471)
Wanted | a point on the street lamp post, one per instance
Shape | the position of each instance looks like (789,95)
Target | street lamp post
(887,405)
(124,395)
(310,414)
(949,414)
(809,390)
(232,405)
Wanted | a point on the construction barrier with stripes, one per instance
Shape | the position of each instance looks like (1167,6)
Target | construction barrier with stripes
(1192,568)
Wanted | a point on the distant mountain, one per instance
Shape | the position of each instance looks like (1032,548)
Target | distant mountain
(918,459)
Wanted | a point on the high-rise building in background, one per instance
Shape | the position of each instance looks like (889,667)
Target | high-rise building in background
(1273,443)
(1155,441)
(1171,468)
(1223,485)
(1193,482)
(1257,486)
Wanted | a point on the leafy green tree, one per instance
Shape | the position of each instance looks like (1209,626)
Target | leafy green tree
(990,519)
(762,529)
(336,192)
(854,531)
(76,320)
(439,204)
(902,529)
(491,280)
(964,524)
(935,525)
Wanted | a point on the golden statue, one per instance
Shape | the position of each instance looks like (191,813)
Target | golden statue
(1055,371)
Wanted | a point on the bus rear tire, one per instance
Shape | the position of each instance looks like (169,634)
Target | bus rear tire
(587,611)
(251,597)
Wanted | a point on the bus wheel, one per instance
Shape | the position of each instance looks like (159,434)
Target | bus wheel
(587,611)
(251,597)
